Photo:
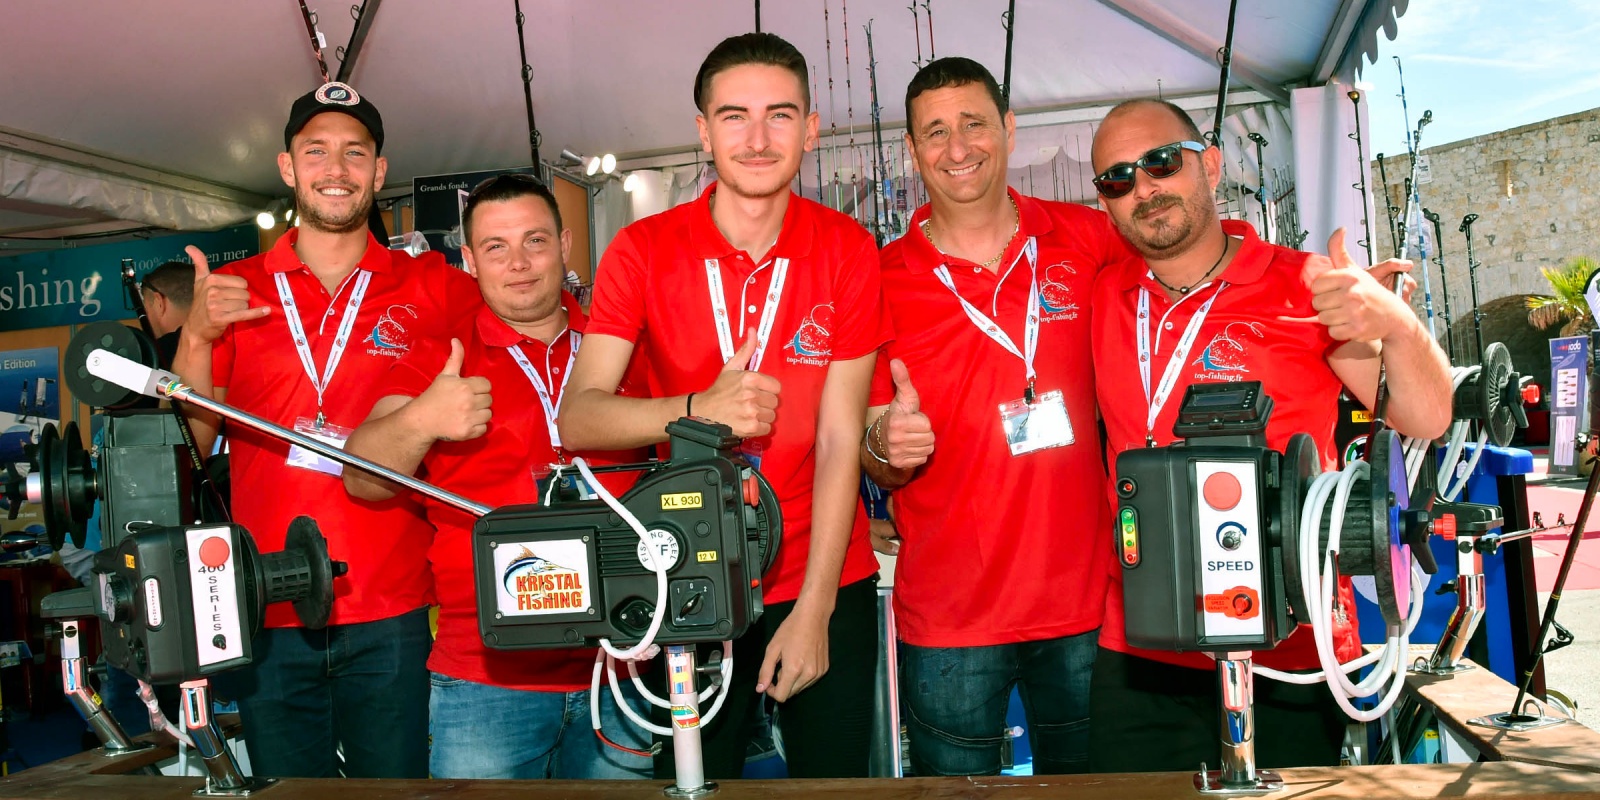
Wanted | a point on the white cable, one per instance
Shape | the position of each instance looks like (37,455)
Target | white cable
(602,660)
(633,672)
(1472,464)
(646,643)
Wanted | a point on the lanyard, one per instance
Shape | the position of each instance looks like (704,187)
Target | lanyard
(550,405)
(1169,376)
(298,332)
(1030,332)
(769,312)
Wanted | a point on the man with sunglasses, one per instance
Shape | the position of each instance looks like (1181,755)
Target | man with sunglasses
(983,424)
(1209,301)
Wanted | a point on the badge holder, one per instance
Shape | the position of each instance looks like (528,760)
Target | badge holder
(1035,422)
(323,431)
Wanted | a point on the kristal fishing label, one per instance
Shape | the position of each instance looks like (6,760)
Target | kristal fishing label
(540,578)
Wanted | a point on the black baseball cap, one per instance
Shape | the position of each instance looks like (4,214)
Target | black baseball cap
(338,97)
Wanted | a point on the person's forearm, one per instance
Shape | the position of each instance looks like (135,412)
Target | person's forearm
(192,363)
(596,420)
(1419,383)
(394,441)
(835,497)
(872,454)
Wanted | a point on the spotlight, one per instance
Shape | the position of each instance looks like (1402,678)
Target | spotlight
(266,220)
(608,163)
(633,181)
(567,156)
(594,167)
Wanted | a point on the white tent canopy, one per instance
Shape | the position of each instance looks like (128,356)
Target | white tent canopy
(169,113)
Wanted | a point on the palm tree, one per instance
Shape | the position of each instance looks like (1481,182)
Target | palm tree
(1567,307)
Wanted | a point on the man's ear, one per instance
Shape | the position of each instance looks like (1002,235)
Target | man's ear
(377,178)
(705,134)
(466,258)
(1212,159)
(286,168)
(566,250)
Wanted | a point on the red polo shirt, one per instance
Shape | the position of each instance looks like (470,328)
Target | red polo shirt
(408,300)
(498,468)
(997,548)
(653,291)
(1241,339)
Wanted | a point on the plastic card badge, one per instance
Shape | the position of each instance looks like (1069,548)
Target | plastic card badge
(328,433)
(1039,425)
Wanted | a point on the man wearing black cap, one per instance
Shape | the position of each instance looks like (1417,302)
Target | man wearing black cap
(301,336)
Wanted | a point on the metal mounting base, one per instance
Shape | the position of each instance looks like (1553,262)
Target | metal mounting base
(112,752)
(251,786)
(1209,782)
(1425,669)
(1507,721)
(703,790)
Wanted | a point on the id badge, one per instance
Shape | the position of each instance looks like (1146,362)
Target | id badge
(752,453)
(330,434)
(1039,425)
(570,485)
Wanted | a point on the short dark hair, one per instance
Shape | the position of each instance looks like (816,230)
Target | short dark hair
(942,73)
(1189,128)
(750,48)
(501,188)
(173,280)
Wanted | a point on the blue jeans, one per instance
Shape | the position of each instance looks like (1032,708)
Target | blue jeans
(360,688)
(956,700)
(482,731)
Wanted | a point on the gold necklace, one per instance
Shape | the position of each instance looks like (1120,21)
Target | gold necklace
(927,230)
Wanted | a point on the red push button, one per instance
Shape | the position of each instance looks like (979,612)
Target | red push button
(1222,491)
(214,552)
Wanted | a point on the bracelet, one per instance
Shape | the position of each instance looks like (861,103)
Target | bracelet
(877,425)
(688,407)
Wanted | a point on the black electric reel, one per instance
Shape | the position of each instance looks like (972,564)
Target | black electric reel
(63,484)
(573,572)
(181,603)
(1209,529)
(1493,396)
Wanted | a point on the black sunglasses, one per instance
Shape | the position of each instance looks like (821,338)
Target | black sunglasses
(1162,162)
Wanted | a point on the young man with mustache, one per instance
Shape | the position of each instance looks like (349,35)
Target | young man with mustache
(1209,301)
(300,336)
(499,713)
(759,309)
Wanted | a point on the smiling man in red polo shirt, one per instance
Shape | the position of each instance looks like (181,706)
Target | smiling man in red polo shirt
(798,284)
(1211,302)
(988,440)
(495,713)
(300,336)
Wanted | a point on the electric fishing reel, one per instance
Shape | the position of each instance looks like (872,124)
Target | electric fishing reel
(181,603)
(1210,527)
(574,571)
(1493,396)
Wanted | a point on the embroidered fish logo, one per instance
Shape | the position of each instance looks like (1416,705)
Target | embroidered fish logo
(1226,352)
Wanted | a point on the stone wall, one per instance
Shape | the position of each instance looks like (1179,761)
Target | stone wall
(1535,189)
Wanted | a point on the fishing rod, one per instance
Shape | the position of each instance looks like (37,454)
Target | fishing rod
(1261,182)
(880,195)
(1008,21)
(833,111)
(927,11)
(818,153)
(1365,172)
(1444,281)
(1394,232)
(1411,223)
(1225,55)
(527,88)
(1472,279)
(317,40)
(916,27)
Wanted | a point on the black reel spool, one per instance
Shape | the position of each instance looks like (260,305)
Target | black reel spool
(1299,466)
(1493,396)
(301,573)
(63,484)
(114,337)
(764,504)
(1370,540)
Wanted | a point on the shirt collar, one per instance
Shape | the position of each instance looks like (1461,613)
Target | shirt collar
(283,258)
(496,333)
(921,256)
(794,238)
(1247,266)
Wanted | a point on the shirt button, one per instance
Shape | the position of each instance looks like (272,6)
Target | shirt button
(556,370)
(1169,326)
(751,309)
(330,312)
(976,270)
(752,280)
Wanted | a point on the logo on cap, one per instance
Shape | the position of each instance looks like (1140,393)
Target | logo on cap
(337,94)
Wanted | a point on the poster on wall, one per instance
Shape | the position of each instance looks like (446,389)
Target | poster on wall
(29,398)
(78,285)
(1569,379)
(437,203)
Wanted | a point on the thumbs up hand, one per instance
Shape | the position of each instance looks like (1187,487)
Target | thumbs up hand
(905,432)
(743,400)
(453,408)
(219,300)
(1350,301)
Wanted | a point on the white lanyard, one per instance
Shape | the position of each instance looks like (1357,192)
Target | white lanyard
(1169,376)
(1030,331)
(769,312)
(550,404)
(303,347)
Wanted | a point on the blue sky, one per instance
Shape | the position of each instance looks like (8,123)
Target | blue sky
(1483,66)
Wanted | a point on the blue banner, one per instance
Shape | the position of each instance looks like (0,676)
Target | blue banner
(84,284)
(1569,379)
